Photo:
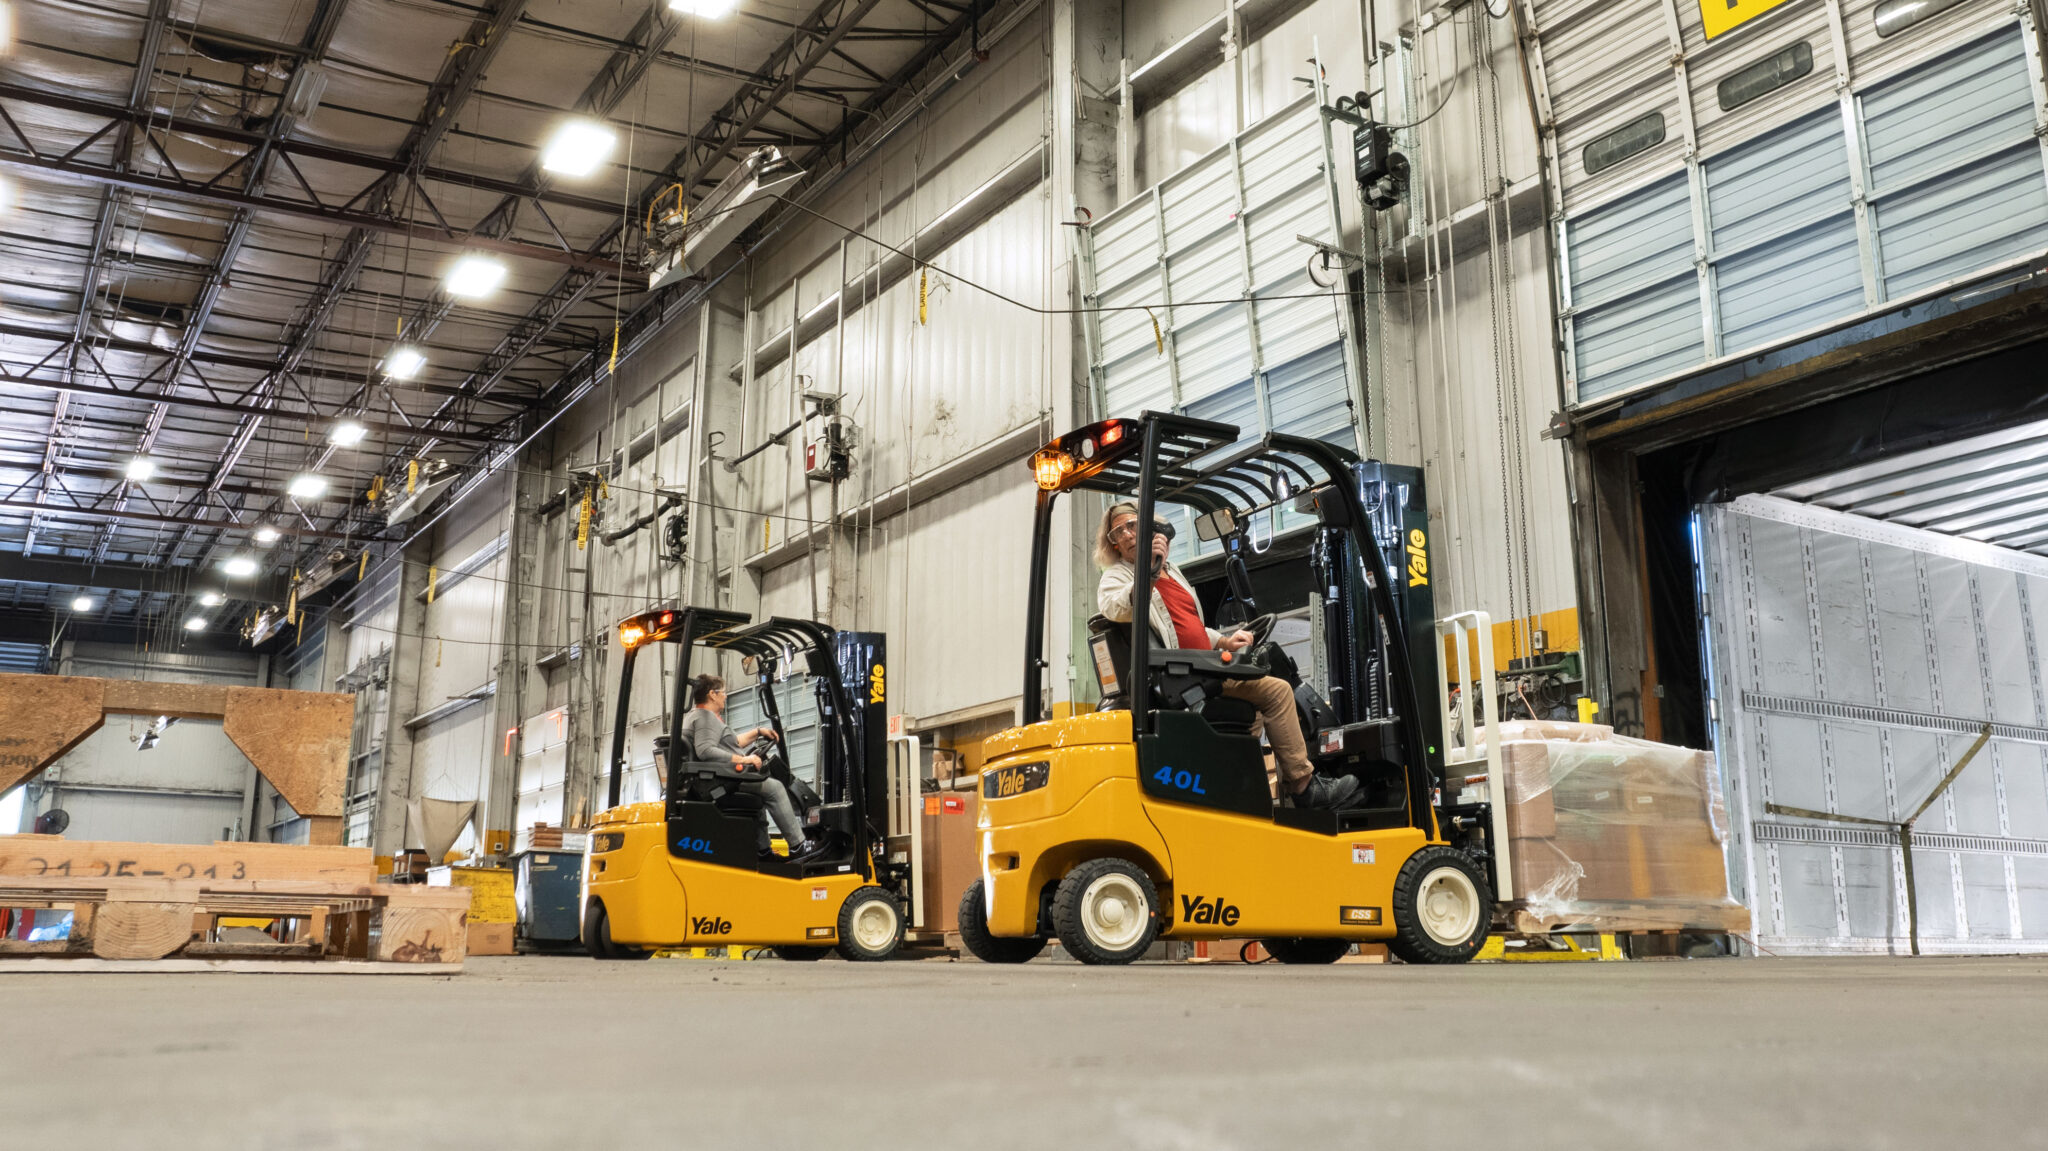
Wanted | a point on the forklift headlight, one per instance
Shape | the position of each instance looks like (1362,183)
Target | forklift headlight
(631,633)
(1050,466)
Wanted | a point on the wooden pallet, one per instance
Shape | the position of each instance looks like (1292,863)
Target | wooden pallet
(1607,918)
(155,918)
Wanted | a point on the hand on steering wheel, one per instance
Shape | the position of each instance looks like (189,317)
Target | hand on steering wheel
(1261,628)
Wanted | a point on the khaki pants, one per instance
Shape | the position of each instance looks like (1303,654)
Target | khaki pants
(1275,701)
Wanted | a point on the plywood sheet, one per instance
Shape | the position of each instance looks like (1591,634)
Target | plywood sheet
(41,718)
(53,857)
(178,700)
(297,739)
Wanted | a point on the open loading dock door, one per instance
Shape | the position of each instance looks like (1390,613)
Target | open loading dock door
(1852,663)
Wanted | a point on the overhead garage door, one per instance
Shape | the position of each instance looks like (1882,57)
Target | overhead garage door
(1211,255)
(1853,663)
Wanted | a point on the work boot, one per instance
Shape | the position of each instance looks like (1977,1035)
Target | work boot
(807,849)
(1323,791)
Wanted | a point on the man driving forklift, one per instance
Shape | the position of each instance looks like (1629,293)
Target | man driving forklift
(1176,619)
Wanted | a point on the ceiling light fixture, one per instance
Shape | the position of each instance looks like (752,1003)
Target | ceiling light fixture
(212,599)
(266,534)
(195,624)
(240,567)
(704,9)
(307,487)
(404,363)
(140,469)
(347,434)
(83,603)
(577,148)
(474,277)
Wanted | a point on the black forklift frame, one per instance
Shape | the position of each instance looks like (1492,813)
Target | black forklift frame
(686,627)
(768,643)
(1168,449)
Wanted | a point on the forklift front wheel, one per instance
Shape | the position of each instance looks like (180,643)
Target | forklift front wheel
(989,948)
(1442,907)
(1106,911)
(870,925)
(597,936)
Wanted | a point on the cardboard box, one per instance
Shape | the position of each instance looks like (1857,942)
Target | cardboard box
(951,858)
(490,939)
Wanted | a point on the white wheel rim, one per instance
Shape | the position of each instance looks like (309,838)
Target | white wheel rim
(1114,912)
(874,925)
(1448,906)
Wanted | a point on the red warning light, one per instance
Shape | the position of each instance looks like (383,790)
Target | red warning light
(1112,434)
(667,618)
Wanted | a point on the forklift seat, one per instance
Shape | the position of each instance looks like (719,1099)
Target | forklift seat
(1182,679)
(721,784)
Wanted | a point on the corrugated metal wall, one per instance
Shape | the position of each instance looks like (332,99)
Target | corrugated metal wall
(1854,663)
(1747,214)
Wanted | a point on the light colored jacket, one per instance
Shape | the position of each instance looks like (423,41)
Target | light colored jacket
(1120,583)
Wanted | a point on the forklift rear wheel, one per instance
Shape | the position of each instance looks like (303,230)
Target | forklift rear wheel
(1307,950)
(801,954)
(992,948)
(1106,911)
(870,925)
(597,936)
(1442,907)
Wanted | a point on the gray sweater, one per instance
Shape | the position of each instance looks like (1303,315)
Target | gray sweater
(706,739)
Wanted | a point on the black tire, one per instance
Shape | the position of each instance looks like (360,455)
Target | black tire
(988,948)
(1442,907)
(597,936)
(801,954)
(870,925)
(1307,950)
(1106,911)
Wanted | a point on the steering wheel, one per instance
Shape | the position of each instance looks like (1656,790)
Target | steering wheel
(1261,628)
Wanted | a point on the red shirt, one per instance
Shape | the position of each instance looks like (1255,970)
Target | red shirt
(1180,605)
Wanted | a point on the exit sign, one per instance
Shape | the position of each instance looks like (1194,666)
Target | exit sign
(1722,15)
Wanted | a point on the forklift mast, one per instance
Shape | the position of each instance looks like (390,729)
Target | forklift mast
(861,656)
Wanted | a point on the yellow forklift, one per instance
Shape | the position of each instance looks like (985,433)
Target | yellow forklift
(1152,817)
(689,871)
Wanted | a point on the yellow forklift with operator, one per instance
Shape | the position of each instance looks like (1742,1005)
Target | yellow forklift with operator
(690,870)
(1152,817)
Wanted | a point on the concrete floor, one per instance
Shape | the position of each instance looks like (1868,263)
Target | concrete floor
(570,1053)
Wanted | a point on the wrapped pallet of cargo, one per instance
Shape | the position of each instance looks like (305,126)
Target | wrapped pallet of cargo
(1611,833)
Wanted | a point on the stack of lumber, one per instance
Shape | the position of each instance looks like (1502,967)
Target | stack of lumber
(546,837)
(164,904)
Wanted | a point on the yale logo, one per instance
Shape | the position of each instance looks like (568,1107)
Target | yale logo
(710,925)
(1358,916)
(1418,559)
(1719,16)
(1195,909)
(875,687)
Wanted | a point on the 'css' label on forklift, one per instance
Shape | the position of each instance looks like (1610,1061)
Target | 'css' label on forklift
(1182,780)
(1362,853)
(1358,916)
(817,893)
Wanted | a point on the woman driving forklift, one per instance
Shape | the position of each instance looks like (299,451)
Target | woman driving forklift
(1176,620)
(707,739)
